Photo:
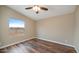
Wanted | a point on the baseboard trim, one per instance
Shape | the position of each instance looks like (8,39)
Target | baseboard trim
(59,43)
(56,42)
(16,43)
(77,50)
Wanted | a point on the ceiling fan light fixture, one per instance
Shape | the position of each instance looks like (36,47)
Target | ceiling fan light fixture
(36,8)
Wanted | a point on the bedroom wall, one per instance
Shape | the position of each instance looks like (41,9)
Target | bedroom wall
(58,29)
(7,39)
(76,33)
(0,25)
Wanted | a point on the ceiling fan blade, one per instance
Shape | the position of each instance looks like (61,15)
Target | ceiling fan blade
(28,8)
(43,8)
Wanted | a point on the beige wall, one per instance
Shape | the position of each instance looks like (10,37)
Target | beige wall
(76,39)
(59,29)
(0,25)
(8,39)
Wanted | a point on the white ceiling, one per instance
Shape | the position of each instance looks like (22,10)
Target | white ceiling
(53,10)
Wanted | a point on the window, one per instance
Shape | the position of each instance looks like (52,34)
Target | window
(16,26)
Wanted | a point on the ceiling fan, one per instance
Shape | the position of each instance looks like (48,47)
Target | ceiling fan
(37,8)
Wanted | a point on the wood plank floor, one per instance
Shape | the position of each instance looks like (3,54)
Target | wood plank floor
(38,46)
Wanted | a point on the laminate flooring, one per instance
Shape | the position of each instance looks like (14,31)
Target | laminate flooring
(38,46)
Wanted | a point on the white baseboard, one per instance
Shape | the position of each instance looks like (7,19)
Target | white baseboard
(16,43)
(56,42)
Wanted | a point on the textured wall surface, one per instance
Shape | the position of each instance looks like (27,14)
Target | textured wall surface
(6,37)
(59,29)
